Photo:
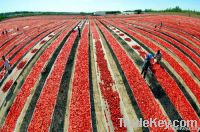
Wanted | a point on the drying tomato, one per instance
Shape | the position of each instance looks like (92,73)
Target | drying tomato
(7,85)
(34,50)
(21,64)
(128,39)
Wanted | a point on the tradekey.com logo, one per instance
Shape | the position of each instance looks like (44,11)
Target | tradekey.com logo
(165,124)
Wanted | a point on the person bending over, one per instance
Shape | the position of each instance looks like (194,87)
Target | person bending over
(147,64)
(7,66)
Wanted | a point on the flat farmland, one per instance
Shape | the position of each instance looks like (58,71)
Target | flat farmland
(63,80)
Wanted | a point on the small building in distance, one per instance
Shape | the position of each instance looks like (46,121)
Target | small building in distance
(99,13)
(129,12)
(102,13)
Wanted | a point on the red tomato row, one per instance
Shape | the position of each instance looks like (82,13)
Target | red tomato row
(106,83)
(79,110)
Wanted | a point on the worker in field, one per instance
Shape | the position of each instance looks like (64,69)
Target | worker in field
(155,27)
(79,31)
(161,25)
(158,57)
(147,64)
(6,32)
(7,65)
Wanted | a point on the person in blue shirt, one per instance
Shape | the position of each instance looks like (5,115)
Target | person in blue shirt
(147,64)
(7,66)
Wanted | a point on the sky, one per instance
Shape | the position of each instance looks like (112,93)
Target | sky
(93,5)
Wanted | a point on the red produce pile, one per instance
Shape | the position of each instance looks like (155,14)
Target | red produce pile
(21,64)
(80,114)
(50,36)
(1,75)
(128,39)
(142,53)
(121,34)
(43,41)
(153,69)
(34,50)
(7,86)
(136,47)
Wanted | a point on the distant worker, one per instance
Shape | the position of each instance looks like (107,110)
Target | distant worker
(6,32)
(7,66)
(147,64)
(158,57)
(161,25)
(17,29)
(155,27)
(79,31)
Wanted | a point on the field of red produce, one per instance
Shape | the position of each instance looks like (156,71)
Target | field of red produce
(66,79)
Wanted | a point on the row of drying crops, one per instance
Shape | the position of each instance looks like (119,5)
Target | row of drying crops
(63,82)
